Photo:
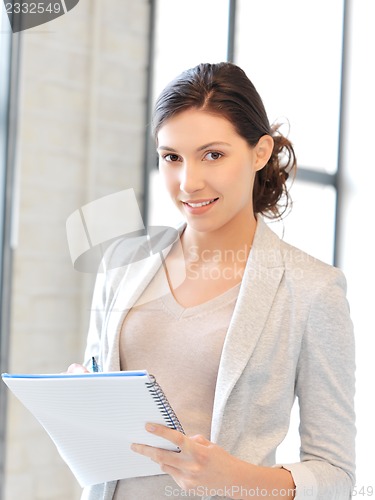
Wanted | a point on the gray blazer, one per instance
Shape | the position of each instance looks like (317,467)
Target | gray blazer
(290,336)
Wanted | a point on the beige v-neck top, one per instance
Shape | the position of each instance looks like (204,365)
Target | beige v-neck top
(182,348)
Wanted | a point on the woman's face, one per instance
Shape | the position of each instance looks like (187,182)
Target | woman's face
(209,169)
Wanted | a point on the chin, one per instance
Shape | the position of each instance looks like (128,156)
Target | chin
(201,226)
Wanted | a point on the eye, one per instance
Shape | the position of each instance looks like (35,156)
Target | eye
(213,155)
(171,157)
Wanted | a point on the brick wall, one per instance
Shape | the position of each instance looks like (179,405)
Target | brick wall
(81,135)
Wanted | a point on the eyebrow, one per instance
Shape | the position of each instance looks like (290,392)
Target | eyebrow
(201,148)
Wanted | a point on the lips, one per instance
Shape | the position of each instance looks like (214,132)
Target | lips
(200,207)
(199,203)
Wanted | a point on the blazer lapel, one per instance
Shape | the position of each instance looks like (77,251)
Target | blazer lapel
(261,279)
(135,277)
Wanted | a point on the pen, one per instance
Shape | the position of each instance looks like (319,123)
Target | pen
(94,365)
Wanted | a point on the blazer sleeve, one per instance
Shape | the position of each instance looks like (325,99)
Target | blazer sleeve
(325,387)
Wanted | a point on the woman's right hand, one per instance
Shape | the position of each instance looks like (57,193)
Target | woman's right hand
(77,368)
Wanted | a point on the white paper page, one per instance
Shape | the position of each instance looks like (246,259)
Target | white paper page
(93,419)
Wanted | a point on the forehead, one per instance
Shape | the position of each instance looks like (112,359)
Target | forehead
(195,127)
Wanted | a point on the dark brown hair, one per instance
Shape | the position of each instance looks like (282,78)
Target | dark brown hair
(225,90)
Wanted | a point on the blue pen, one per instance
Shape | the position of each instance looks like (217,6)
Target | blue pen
(94,366)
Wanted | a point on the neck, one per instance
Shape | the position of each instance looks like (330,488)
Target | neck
(231,242)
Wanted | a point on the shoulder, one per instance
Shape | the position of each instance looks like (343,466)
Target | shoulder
(319,285)
(303,266)
(139,246)
(301,270)
(134,257)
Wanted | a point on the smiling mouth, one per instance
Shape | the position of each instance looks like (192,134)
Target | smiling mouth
(200,204)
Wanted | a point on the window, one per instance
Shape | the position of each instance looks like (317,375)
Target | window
(293,55)
(298,75)
(186,34)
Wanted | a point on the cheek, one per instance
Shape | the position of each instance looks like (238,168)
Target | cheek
(169,179)
(241,184)
(241,175)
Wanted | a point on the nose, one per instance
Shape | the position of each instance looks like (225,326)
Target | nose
(191,179)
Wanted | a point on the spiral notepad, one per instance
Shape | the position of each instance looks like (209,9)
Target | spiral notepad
(94,418)
(162,403)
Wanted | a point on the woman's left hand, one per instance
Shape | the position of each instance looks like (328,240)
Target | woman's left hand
(200,463)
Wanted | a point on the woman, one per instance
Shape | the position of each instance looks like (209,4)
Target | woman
(254,323)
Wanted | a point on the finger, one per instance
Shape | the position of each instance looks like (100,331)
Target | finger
(158,455)
(77,368)
(175,437)
(172,471)
(199,439)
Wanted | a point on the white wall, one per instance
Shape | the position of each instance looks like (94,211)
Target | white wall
(81,136)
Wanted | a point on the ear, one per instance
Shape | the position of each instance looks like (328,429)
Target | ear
(263,151)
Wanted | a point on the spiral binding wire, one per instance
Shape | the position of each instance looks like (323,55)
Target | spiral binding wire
(163,404)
